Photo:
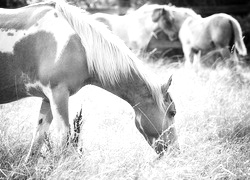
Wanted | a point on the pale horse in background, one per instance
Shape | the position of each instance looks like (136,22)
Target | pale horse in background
(201,35)
(136,28)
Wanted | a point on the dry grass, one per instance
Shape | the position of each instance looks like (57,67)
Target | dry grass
(212,122)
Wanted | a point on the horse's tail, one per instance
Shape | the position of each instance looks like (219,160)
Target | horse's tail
(238,39)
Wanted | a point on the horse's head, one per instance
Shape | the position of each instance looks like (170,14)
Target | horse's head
(155,120)
(167,22)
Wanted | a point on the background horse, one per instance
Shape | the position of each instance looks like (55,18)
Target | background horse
(135,28)
(201,34)
(51,50)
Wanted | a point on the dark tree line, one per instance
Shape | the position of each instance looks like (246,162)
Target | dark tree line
(129,3)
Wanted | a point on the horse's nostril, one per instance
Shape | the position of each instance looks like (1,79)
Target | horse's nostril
(160,146)
(165,147)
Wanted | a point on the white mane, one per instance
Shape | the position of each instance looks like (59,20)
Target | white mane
(105,58)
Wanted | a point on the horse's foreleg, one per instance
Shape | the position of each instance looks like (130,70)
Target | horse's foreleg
(43,124)
(59,107)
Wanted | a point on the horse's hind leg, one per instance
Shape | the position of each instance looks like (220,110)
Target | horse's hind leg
(197,60)
(188,56)
(44,121)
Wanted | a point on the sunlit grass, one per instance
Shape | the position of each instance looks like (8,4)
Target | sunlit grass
(212,124)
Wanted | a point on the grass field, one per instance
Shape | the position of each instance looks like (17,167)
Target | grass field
(212,121)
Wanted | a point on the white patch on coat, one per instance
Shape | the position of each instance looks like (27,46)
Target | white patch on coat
(9,38)
(46,90)
(59,27)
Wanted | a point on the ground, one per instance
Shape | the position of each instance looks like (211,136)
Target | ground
(212,124)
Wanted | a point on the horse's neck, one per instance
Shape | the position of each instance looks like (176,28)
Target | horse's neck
(192,15)
(186,17)
(142,25)
(127,89)
(144,19)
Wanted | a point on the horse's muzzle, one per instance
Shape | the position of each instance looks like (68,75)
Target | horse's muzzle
(165,140)
(160,146)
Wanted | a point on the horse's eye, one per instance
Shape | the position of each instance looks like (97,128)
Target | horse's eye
(149,96)
(172,113)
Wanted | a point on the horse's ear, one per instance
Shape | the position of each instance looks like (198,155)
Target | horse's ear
(157,13)
(165,87)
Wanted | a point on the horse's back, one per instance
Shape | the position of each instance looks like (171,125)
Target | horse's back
(194,32)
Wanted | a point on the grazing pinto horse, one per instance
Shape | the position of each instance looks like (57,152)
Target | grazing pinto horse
(199,34)
(51,50)
(135,28)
